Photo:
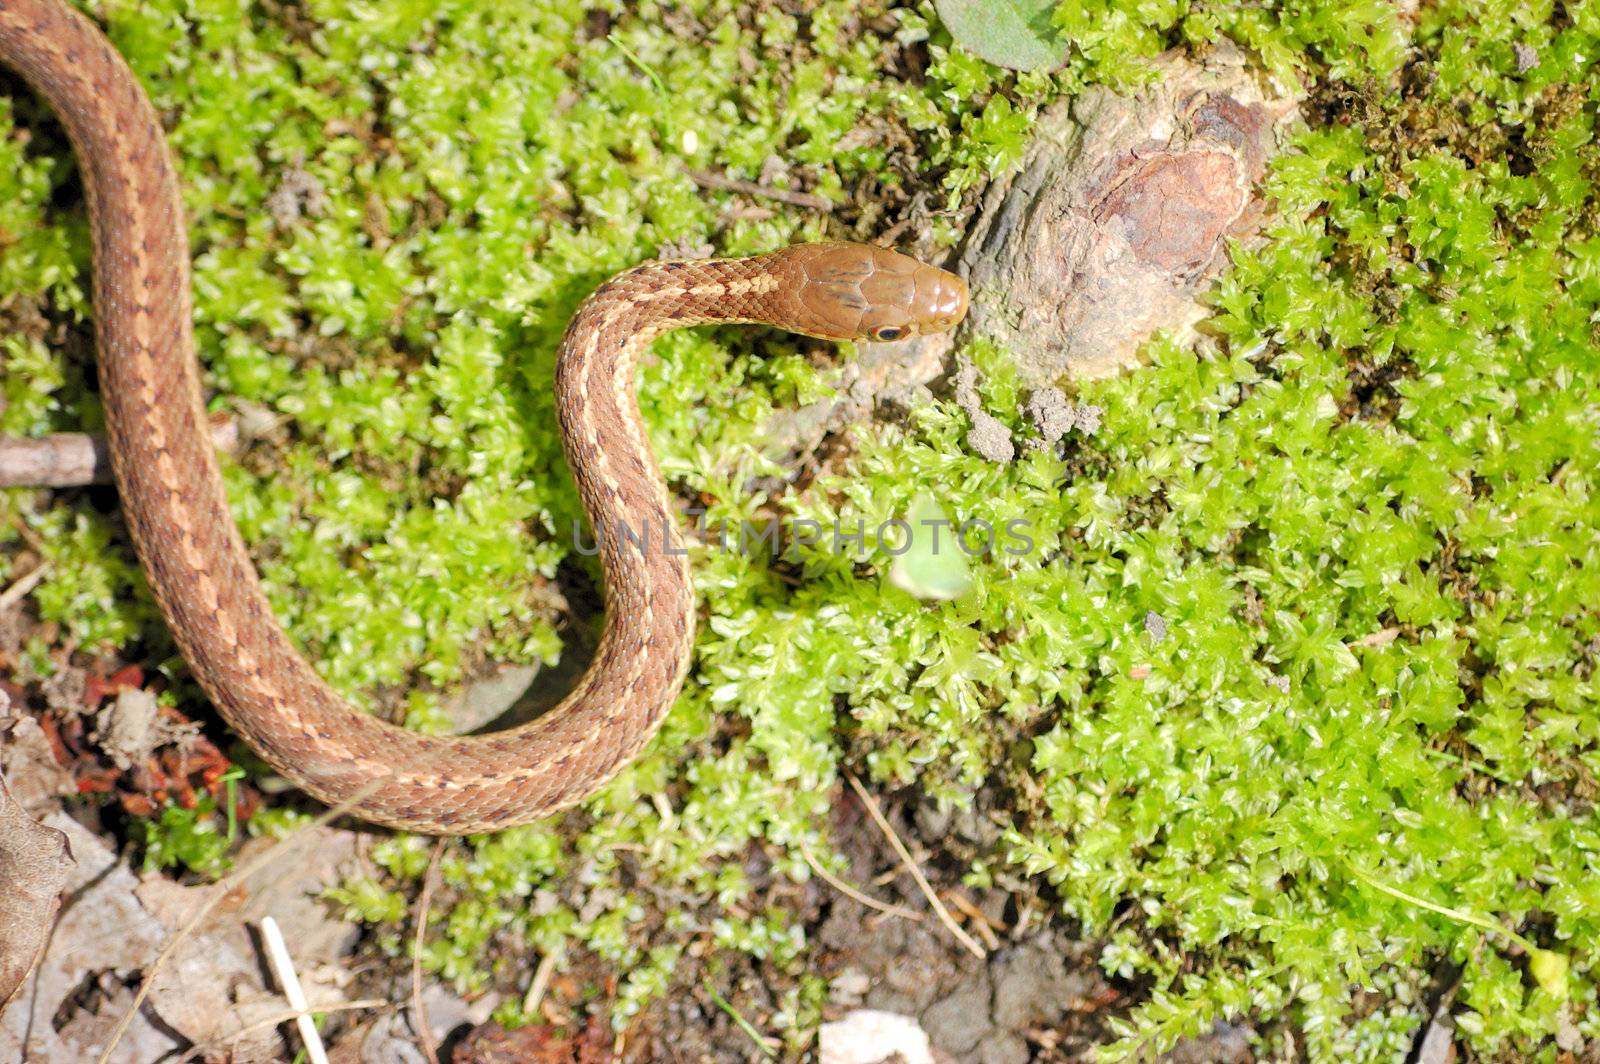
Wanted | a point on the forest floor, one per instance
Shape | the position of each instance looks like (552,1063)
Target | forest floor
(1281,742)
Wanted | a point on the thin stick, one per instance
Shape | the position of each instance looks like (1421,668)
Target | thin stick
(980,919)
(283,968)
(15,593)
(851,892)
(220,891)
(808,200)
(541,982)
(418,1009)
(73,459)
(939,910)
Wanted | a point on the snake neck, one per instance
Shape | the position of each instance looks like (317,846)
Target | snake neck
(603,432)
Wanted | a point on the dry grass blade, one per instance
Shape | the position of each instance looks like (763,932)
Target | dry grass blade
(419,1011)
(966,940)
(851,892)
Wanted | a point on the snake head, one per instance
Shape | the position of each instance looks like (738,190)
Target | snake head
(859,292)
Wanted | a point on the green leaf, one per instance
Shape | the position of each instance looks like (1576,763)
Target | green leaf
(933,564)
(1015,34)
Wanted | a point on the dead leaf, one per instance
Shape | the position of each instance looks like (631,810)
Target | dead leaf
(493,1044)
(101,937)
(109,932)
(34,864)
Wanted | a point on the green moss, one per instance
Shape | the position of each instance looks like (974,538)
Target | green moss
(186,838)
(1379,598)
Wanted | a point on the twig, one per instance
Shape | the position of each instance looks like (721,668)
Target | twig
(220,891)
(283,968)
(541,982)
(29,536)
(851,892)
(24,584)
(197,1051)
(418,1009)
(980,919)
(73,459)
(808,200)
(939,910)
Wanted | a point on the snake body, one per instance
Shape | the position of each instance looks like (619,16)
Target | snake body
(203,580)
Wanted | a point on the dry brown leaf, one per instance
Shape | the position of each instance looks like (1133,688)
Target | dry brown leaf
(34,864)
(493,1044)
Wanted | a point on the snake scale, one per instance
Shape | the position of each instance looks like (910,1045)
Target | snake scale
(173,500)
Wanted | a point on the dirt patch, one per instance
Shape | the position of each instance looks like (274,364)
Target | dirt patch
(988,436)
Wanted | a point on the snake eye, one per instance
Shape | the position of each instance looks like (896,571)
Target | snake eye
(885,333)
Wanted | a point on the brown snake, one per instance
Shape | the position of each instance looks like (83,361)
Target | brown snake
(203,579)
